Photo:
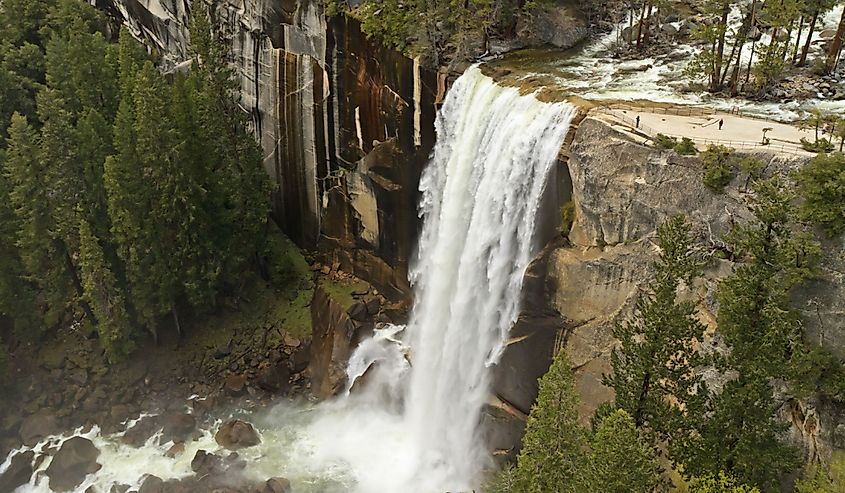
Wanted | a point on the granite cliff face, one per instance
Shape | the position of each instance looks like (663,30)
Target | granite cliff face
(622,191)
(345,124)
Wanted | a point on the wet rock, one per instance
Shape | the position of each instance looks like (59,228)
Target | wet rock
(236,434)
(140,432)
(358,312)
(152,484)
(223,351)
(18,472)
(213,468)
(177,448)
(38,426)
(234,384)
(177,427)
(300,360)
(276,485)
(204,463)
(76,458)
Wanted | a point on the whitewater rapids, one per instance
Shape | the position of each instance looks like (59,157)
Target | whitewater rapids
(413,427)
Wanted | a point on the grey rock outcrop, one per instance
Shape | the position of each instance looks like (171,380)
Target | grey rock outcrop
(345,124)
(622,191)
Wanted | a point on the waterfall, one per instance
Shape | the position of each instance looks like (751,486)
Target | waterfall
(481,192)
(480,195)
(408,420)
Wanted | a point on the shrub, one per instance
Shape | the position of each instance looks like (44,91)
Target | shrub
(665,142)
(567,217)
(821,145)
(686,147)
(719,484)
(718,167)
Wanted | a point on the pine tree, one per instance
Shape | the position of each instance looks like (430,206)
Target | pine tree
(105,297)
(742,435)
(81,67)
(552,452)
(37,240)
(94,143)
(17,294)
(655,362)
(755,316)
(821,184)
(238,186)
(621,459)
(141,205)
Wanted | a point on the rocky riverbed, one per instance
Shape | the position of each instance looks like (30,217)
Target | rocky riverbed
(184,407)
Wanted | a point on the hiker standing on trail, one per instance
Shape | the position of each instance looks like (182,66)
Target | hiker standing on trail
(721,122)
(638,121)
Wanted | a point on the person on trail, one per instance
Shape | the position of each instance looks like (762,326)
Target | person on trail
(638,121)
(721,122)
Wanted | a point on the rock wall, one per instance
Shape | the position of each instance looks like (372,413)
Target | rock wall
(622,191)
(345,124)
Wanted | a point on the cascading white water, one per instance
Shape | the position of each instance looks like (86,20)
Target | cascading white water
(481,192)
(414,427)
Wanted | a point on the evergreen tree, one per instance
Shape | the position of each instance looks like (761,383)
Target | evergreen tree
(821,184)
(755,316)
(17,294)
(81,67)
(621,459)
(142,201)
(93,144)
(552,452)
(105,297)
(653,368)
(742,435)
(37,239)
(231,168)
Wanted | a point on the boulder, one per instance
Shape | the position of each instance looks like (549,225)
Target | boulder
(234,384)
(236,434)
(177,448)
(38,426)
(18,472)
(274,378)
(204,463)
(141,431)
(212,466)
(276,485)
(177,427)
(76,459)
(152,484)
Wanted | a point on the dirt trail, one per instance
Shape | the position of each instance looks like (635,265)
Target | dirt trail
(739,132)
